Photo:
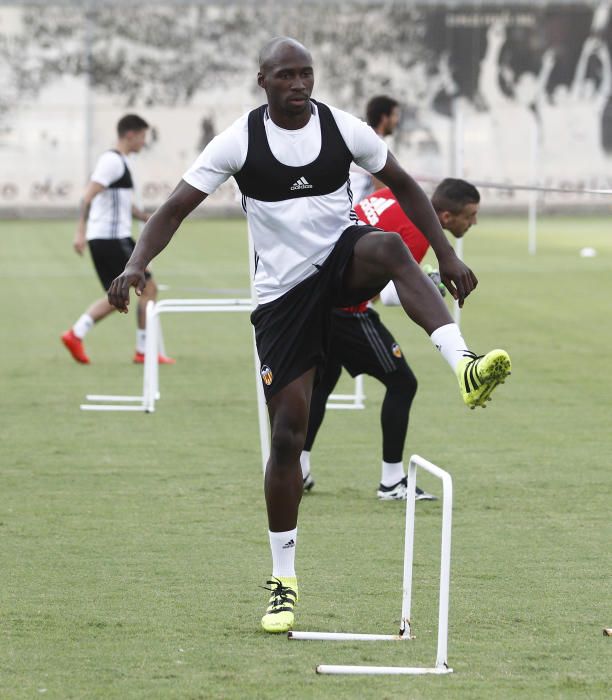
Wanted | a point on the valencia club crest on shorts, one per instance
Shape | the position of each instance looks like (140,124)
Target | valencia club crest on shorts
(396,350)
(266,375)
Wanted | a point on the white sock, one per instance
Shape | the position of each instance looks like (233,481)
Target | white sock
(141,339)
(392,472)
(450,343)
(282,545)
(83,326)
(305,463)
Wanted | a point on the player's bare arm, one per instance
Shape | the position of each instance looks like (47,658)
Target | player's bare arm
(456,276)
(155,236)
(80,241)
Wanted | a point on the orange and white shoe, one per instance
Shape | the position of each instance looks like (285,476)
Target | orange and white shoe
(139,359)
(75,347)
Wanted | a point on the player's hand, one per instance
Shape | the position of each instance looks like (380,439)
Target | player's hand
(119,291)
(457,278)
(80,242)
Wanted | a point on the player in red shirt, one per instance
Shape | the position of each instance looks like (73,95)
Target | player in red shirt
(362,344)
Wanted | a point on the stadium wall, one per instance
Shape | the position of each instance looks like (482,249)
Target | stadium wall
(517,92)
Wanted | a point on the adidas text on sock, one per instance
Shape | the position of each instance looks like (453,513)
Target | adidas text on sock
(282,546)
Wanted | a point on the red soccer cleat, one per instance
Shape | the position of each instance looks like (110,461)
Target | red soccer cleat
(75,347)
(139,359)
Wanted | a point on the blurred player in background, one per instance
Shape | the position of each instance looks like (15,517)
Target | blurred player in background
(383,115)
(105,225)
(361,343)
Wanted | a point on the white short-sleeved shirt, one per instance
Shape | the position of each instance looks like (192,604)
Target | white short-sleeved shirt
(110,215)
(362,183)
(290,236)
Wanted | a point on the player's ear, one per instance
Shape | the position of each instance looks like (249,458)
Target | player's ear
(444,217)
(260,79)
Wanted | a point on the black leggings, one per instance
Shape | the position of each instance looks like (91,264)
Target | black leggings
(401,388)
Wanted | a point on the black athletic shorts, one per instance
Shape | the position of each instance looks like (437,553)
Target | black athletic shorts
(292,332)
(362,344)
(110,256)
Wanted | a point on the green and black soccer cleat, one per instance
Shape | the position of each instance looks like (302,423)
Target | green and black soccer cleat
(478,375)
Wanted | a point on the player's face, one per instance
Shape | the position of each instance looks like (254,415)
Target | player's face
(136,140)
(391,121)
(461,222)
(288,81)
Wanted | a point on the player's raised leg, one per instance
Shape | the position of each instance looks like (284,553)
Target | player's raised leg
(379,257)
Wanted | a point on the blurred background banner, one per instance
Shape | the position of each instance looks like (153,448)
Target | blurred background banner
(517,92)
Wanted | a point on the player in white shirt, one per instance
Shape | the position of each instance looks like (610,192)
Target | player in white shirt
(383,115)
(291,158)
(105,225)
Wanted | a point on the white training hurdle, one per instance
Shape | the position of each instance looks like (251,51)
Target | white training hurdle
(154,346)
(405,632)
(155,343)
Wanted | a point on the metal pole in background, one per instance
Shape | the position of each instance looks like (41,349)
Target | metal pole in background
(533,195)
(457,169)
(88,116)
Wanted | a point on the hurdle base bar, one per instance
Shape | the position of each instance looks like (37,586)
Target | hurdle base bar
(345,406)
(113,407)
(347,637)
(114,402)
(383,670)
(112,397)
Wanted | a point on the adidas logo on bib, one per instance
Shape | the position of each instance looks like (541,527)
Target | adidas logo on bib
(301,184)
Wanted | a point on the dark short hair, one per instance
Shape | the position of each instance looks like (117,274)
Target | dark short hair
(452,194)
(131,122)
(378,107)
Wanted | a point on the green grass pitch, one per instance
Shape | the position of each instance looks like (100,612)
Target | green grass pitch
(133,546)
